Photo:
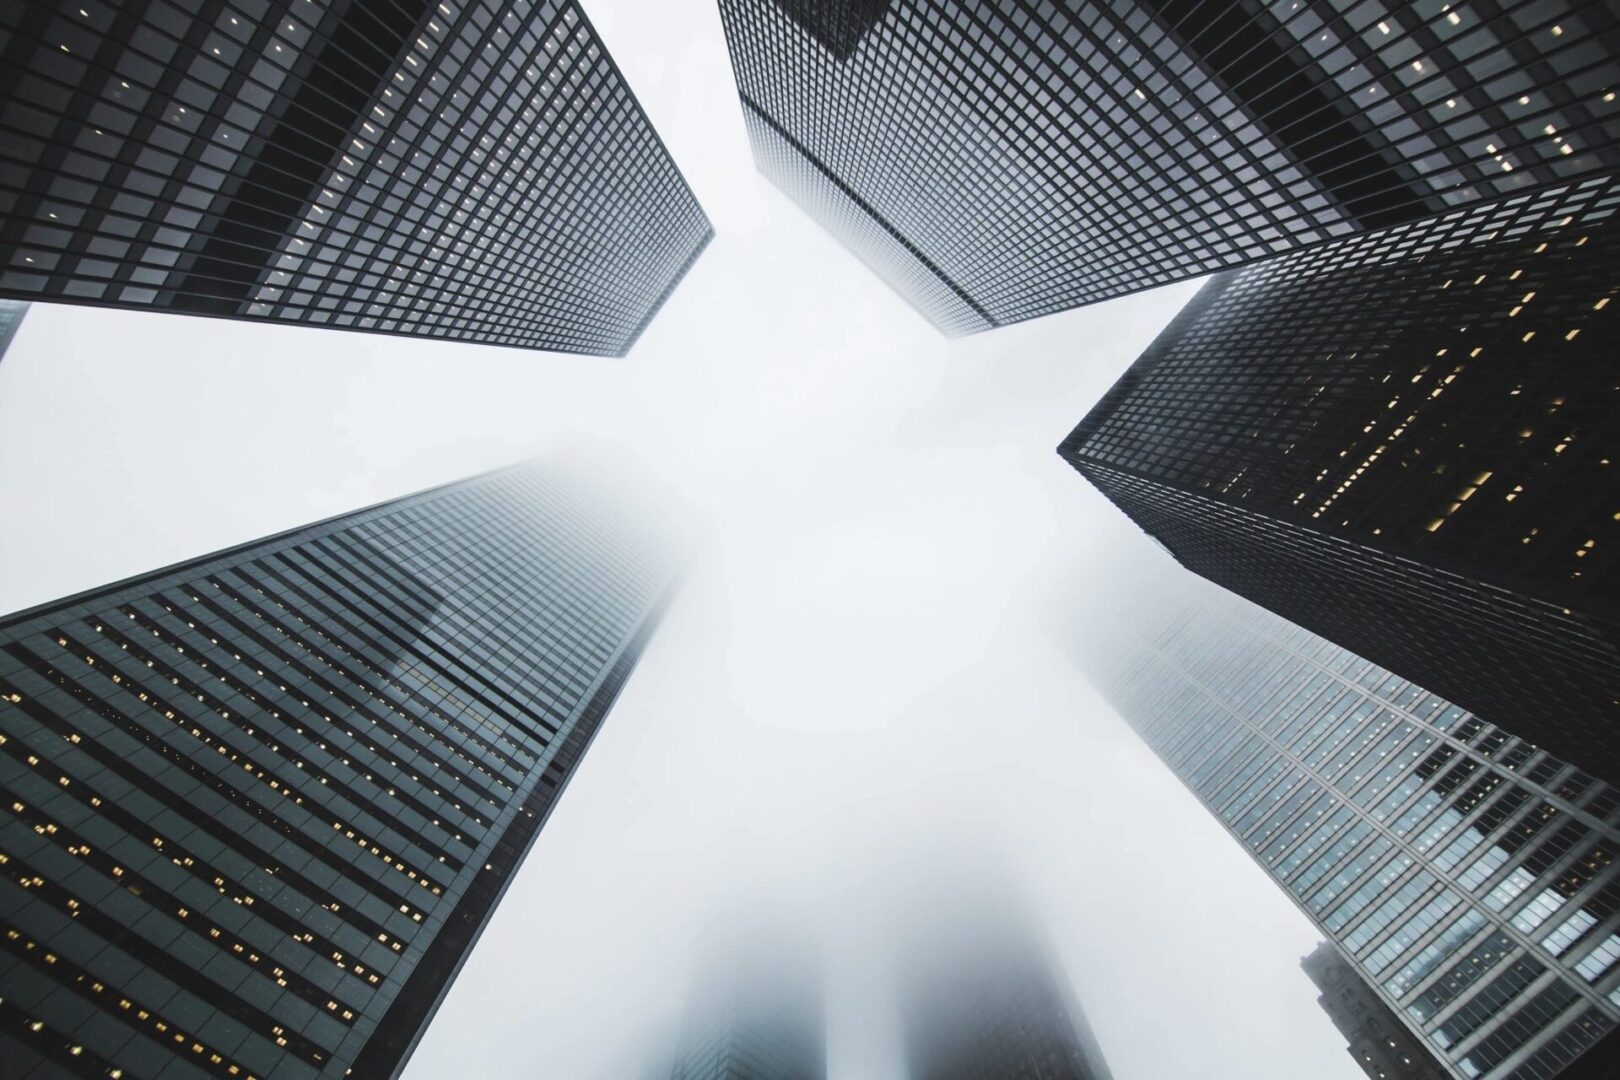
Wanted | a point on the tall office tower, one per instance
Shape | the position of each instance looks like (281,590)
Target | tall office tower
(11,317)
(756,1013)
(997,160)
(1406,442)
(1468,875)
(980,996)
(1381,1045)
(258,807)
(473,170)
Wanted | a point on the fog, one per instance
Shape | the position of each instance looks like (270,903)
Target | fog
(857,676)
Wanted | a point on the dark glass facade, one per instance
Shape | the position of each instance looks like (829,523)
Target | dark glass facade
(980,996)
(997,160)
(1467,875)
(474,170)
(1406,442)
(258,807)
(1380,1044)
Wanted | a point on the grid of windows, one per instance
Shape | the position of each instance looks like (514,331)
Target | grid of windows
(1467,875)
(258,807)
(474,170)
(1405,440)
(1005,159)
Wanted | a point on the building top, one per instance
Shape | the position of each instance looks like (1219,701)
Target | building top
(756,1010)
(983,992)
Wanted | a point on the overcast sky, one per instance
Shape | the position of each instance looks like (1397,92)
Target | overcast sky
(857,671)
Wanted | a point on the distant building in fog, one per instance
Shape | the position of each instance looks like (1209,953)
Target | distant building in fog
(11,317)
(1381,1045)
(756,1012)
(982,995)
(1468,875)
(1409,443)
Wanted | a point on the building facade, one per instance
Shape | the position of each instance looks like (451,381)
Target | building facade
(997,160)
(752,1040)
(1467,875)
(980,995)
(11,317)
(259,806)
(1381,1046)
(473,170)
(1406,442)
(756,1012)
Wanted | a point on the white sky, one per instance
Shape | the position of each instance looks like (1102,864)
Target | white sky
(857,665)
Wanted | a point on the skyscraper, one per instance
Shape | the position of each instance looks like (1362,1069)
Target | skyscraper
(980,996)
(260,806)
(1468,875)
(1379,1043)
(11,317)
(1000,160)
(474,170)
(756,1012)
(1406,442)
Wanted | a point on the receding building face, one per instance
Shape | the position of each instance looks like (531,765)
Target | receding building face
(981,995)
(1000,160)
(1382,1046)
(475,170)
(1468,875)
(1408,442)
(258,807)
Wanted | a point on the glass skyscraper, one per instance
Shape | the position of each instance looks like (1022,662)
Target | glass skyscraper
(474,170)
(981,995)
(259,806)
(1406,442)
(1467,874)
(1381,1046)
(997,160)
(756,1012)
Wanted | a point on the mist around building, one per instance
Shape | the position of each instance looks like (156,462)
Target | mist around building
(791,539)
